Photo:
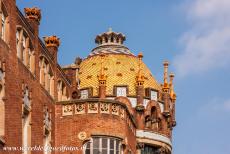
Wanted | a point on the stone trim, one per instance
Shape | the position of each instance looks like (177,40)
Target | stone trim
(153,136)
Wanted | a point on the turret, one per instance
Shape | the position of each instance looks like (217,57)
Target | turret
(140,82)
(140,93)
(173,98)
(102,79)
(52,43)
(33,15)
(165,89)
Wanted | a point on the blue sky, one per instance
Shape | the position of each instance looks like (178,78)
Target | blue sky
(194,35)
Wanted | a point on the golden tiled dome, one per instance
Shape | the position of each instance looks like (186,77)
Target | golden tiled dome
(120,66)
(120,69)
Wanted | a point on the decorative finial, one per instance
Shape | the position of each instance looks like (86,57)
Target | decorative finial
(166,64)
(110,29)
(140,75)
(33,13)
(172,93)
(140,55)
(171,76)
(166,86)
(52,41)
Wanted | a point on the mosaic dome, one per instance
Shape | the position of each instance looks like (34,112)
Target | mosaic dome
(120,66)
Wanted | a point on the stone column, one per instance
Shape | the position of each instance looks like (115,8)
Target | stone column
(32,62)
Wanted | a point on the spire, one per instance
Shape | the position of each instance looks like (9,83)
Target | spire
(166,85)
(140,84)
(172,93)
(102,78)
(140,75)
(110,29)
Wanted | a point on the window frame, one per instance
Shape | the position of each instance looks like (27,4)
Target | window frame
(124,89)
(3,23)
(86,95)
(117,143)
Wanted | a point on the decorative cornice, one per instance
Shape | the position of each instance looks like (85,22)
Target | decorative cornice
(52,41)
(33,13)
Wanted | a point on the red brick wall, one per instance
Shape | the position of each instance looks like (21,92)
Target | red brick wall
(68,128)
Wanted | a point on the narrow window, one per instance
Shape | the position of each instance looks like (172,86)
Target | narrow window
(153,95)
(3,25)
(121,91)
(26,127)
(2,104)
(84,94)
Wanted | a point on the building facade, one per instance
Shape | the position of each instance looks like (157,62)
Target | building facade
(107,103)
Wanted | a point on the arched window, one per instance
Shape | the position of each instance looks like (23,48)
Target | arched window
(26,99)
(25,51)
(62,91)
(147,122)
(26,122)
(3,28)
(152,121)
(2,104)
(154,118)
(103,145)
(4,22)
(47,132)
(46,76)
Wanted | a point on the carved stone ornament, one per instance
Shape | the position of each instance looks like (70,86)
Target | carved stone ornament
(115,109)
(52,41)
(80,108)
(82,136)
(33,13)
(104,107)
(93,108)
(122,113)
(67,110)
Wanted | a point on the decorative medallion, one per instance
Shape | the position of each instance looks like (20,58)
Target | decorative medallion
(115,109)
(122,113)
(104,107)
(93,108)
(80,108)
(82,136)
(67,110)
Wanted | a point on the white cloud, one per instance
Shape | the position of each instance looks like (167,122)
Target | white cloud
(227,105)
(206,45)
(216,106)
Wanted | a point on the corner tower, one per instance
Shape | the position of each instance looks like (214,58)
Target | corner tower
(121,107)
